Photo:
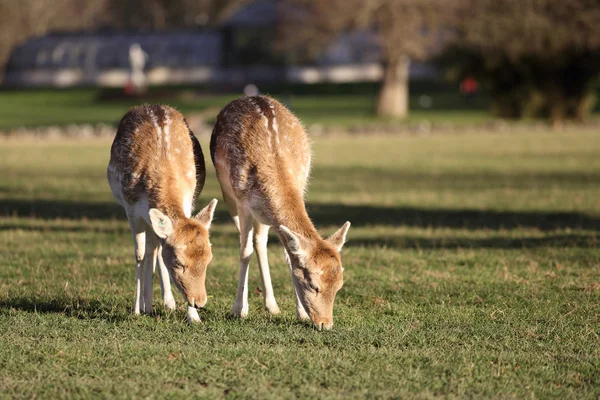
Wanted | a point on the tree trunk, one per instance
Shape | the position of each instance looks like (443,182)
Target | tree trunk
(393,95)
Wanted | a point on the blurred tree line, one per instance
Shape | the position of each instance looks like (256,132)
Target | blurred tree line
(23,19)
(406,29)
(537,58)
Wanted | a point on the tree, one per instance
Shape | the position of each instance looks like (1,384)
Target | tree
(171,14)
(21,20)
(24,19)
(539,58)
(406,29)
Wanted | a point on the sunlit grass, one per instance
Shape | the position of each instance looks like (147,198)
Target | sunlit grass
(472,270)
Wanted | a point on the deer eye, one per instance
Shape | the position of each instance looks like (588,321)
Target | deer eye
(314,287)
(178,265)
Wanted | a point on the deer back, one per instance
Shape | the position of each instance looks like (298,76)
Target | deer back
(158,156)
(261,148)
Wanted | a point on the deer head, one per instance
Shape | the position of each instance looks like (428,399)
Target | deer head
(317,272)
(186,250)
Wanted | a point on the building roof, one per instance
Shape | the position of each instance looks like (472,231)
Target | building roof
(107,50)
(257,13)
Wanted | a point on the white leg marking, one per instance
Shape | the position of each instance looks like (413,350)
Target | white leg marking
(139,242)
(261,237)
(236,221)
(192,314)
(240,306)
(165,283)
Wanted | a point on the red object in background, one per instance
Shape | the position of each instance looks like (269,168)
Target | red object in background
(469,86)
(129,87)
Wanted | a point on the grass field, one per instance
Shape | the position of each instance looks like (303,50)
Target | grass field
(339,105)
(472,270)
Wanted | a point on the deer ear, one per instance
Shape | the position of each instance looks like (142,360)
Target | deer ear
(205,215)
(162,225)
(296,243)
(338,239)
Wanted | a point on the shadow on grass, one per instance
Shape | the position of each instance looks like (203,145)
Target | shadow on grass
(413,242)
(76,307)
(365,215)
(348,179)
(86,309)
(57,228)
(50,209)
(74,210)
(333,214)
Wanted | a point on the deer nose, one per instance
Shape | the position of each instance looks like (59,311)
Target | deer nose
(201,302)
(198,301)
(322,325)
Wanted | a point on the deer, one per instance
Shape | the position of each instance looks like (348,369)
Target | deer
(156,171)
(262,158)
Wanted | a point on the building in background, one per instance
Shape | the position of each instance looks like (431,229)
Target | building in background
(238,52)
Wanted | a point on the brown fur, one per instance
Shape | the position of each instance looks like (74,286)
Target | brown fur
(262,157)
(155,156)
(153,167)
(271,164)
(190,255)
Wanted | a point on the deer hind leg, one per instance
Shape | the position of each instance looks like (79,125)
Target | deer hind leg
(165,283)
(139,244)
(240,306)
(261,237)
(149,267)
(300,311)
(233,209)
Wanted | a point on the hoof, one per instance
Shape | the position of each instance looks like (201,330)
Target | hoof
(273,309)
(170,304)
(302,316)
(192,315)
(239,311)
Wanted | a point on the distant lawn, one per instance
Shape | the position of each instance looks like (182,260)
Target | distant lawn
(337,105)
(472,271)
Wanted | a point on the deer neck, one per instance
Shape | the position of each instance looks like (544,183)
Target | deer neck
(295,217)
(169,200)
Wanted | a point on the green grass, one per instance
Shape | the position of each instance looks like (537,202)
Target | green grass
(339,105)
(472,271)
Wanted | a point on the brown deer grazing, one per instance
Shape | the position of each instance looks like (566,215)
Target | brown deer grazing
(155,172)
(262,158)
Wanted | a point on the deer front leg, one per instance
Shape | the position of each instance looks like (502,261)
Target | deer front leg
(300,311)
(167,294)
(165,283)
(240,306)
(261,237)
(139,242)
(149,267)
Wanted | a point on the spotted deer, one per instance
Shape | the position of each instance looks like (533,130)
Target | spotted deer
(262,158)
(155,172)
